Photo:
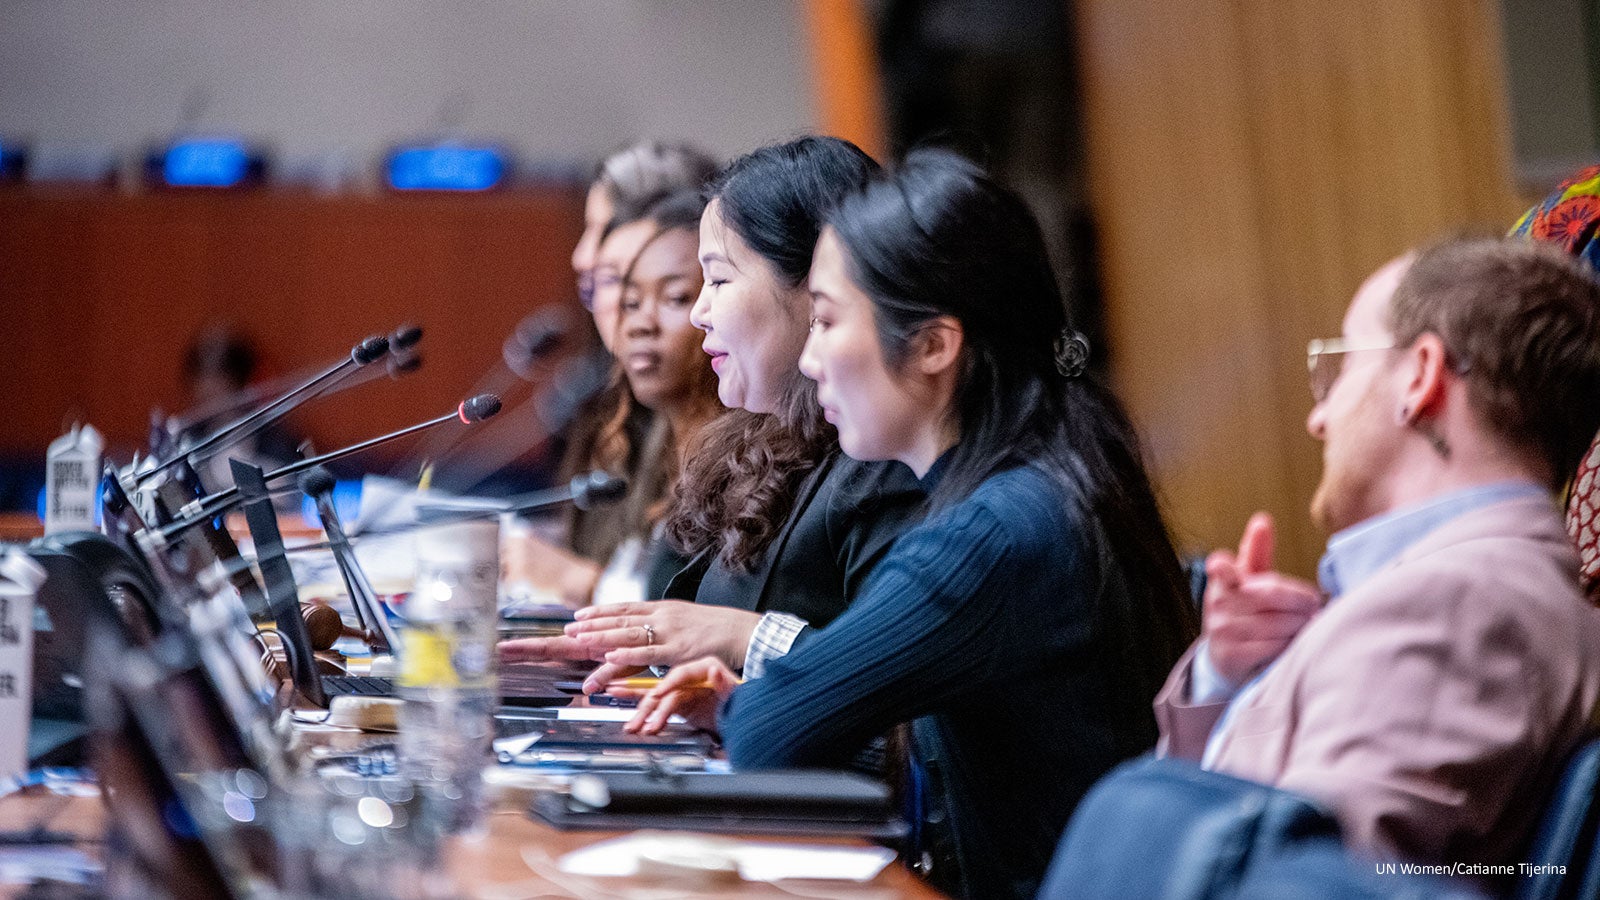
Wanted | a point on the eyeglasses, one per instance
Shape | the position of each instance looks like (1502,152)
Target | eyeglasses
(1324,360)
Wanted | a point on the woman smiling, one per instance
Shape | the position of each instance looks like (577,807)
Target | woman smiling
(783,529)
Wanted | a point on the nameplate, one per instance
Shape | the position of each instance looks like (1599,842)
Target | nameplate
(19,578)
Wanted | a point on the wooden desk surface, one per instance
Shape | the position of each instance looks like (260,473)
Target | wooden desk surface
(517,857)
(519,854)
(20,527)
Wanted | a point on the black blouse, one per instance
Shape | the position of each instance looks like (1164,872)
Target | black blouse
(846,515)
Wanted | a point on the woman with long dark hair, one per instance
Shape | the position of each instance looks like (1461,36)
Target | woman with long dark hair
(783,528)
(660,369)
(1026,625)
(627,183)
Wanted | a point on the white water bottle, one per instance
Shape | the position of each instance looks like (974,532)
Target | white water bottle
(72,482)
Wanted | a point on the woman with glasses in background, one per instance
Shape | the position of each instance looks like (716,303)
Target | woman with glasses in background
(782,528)
(626,184)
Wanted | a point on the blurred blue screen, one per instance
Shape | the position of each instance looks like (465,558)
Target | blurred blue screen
(446,168)
(205,162)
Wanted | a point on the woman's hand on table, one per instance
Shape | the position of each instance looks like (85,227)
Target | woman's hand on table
(694,690)
(663,633)
(602,681)
(537,649)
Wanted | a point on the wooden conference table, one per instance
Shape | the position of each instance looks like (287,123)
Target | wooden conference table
(516,857)
(494,865)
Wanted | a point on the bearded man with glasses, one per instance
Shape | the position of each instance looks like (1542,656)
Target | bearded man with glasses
(1430,687)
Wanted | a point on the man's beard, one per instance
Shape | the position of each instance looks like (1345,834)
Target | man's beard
(1338,501)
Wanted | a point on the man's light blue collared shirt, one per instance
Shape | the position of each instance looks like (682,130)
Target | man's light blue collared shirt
(1360,551)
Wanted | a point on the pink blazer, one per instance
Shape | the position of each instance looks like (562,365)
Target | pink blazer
(1433,707)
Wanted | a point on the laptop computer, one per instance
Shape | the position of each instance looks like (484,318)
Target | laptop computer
(522,685)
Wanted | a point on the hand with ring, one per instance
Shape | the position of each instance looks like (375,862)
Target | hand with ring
(629,636)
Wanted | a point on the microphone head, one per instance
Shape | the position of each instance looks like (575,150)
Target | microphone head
(517,359)
(405,337)
(476,409)
(370,350)
(403,363)
(597,489)
(316,481)
(535,338)
(541,339)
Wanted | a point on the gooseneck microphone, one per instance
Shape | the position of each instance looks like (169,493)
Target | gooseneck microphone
(403,357)
(318,484)
(586,491)
(532,342)
(471,410)
(368,351)
(405,337)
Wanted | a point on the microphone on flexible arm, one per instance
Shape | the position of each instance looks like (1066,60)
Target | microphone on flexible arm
(596,488)
(471,410)
(403,359)
(403,356)
(543,415)
(364,353)
(531,344)
(399,362)
(318,483)
(587,491)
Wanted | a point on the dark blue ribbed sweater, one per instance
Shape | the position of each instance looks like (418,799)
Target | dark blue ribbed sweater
(982,626)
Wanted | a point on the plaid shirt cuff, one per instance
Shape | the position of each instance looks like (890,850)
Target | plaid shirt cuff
(773,637)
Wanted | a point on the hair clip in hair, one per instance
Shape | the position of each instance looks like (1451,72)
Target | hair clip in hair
(1072,353)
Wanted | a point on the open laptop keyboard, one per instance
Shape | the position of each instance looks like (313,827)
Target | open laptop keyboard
(365,685)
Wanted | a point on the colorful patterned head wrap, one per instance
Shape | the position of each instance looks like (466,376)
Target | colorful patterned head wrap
(1570,218)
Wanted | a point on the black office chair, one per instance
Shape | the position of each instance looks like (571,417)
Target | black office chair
(1569,834)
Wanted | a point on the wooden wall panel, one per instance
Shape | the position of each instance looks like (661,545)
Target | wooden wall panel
(844,73)
(1250,161)
(102,291)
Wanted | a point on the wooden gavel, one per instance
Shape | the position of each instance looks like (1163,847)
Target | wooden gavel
(325,626)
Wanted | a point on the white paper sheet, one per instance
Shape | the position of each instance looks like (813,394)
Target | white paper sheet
(603,714)
(756,861)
